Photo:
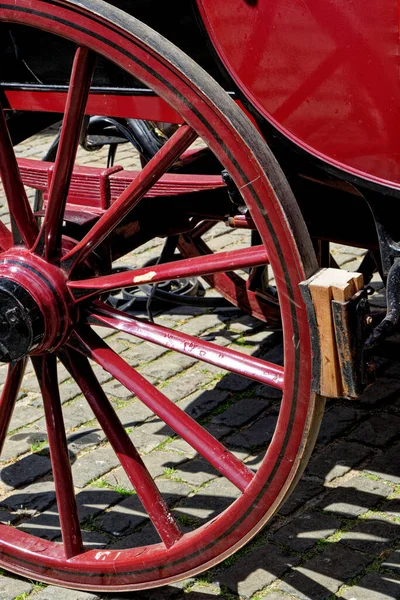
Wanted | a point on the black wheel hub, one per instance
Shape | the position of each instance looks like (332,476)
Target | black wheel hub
(21,322)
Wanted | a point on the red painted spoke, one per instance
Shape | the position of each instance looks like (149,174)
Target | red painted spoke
(248,366)
(6,238)
(78,92)
(23,223)
(187,267)
(46,372)
(9,396)
(128,456)
(203,442)
(142,183)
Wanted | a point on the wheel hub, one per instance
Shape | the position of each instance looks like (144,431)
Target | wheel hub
(36,310)
(21,322)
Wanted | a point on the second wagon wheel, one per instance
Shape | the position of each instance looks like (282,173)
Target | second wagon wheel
(53,289)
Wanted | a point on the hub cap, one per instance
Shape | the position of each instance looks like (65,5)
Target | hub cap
(36,308)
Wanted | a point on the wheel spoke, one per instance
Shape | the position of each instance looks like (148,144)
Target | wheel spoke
(46,372)
(6,238)
(90,344)
(236,362)
(128,456)
(23,223)
(149,175)
(81,76)
(9,396)
(187,267)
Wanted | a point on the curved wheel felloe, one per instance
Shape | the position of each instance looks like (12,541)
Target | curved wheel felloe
(54,289)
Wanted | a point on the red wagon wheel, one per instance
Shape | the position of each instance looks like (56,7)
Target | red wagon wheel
(51,292)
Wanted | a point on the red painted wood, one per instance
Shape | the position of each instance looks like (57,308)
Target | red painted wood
(87,188)
(46,372)
(146,178)
(187,267)
(231,360)
(9,396)
(123,447)
(325,74)
(81,76)
(231,139)
(224,461)
(230,285)
(22,220)
(150,108)
(6,238)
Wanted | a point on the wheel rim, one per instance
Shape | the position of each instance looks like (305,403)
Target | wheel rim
(244,155)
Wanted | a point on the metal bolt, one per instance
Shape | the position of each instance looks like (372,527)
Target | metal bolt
(12,316)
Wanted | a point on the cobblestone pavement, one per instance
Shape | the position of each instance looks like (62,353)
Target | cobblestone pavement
(336,536)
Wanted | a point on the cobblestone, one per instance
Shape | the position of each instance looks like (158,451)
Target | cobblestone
(245,580)
(374,586)
(11,588)
(355,497)
(92,466)
(323,574)
(379,430)
(335,462)
(387,465)
(306,530)
(372,535)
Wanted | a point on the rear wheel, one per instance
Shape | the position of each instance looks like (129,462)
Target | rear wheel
(63,283)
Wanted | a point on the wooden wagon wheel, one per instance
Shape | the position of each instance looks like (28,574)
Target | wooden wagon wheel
(51,303)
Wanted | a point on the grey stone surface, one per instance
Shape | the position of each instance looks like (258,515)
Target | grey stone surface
(372,535)
(305,531)
(275,596)
(387,465)
(210,500)
(201,403)
(123,516)
(234,383)
(257,434)
(167,366)
(21,442)
(134,414)
(150,435)
(196,472)
(56,593)
(32,498)
(354,497)
(92,465)
(156,462)
(336,421)
(254,571)
(303,492)
(391,507)
(378,430)
(374,586)
(241,413)
(392,562)
(323,574)
(10,588)
(25,471)
(381,392)
(200,324)
(335,461)
(188,383)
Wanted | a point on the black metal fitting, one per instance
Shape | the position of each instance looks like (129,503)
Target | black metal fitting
(21,322)
(390,323)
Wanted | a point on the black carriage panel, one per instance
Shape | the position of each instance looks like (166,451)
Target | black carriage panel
(40,59)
